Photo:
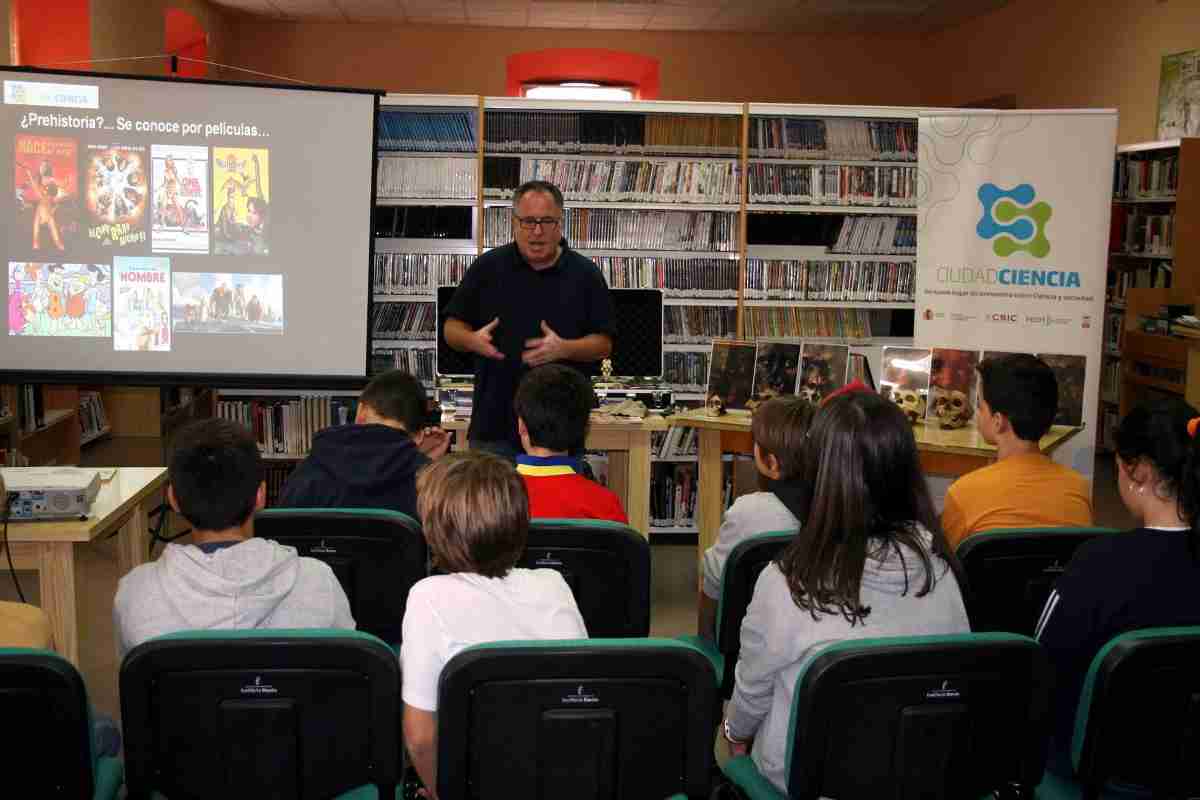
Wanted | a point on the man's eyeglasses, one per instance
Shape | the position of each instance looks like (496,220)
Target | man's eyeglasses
(530,223)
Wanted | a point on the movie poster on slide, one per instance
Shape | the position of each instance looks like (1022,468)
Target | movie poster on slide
(141,303)
(179,219)
(117,190)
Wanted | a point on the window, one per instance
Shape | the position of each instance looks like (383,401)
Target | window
(577,90)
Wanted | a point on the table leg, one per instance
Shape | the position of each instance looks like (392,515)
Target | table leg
(712,487)
(618,476)
(133,541)
(56,579)
(638,488)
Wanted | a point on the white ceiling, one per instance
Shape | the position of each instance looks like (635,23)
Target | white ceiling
(680,15)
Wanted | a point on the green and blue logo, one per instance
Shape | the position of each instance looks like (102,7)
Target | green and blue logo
(1013,221)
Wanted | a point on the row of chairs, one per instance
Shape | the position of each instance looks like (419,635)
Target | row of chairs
(300,715)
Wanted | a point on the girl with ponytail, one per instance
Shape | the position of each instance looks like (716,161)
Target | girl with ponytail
(1148,577)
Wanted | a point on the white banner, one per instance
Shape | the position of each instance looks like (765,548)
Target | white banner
(1012,240)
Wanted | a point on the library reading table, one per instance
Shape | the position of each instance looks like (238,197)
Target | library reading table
(48,548)
(945,453)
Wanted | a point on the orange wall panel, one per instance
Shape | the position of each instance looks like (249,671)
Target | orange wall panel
(50,33)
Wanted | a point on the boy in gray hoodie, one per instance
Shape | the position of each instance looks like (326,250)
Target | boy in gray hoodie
(225,579)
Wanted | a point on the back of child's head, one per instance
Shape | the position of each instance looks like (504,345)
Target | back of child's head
(475,513)
(555,402)
(397,396)
(1160,434)
(1023,388)
(215,473)
(862,487)
(779,426)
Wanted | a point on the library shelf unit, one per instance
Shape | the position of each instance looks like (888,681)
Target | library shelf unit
(1153,248)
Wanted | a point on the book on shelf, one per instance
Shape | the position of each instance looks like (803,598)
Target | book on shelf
(27,404)
(881,235)
(831,280)
(630,229)
(1155,175)
(1114,331)
(421,178)
(1134,231)
(677,277)
(698,324)
(286,426)
(1110,419)
(615,181)
(685,372)
(424,222)
(421,362)
(427,131)
(603,133)
(417,273)
(675,442)
(404,320)
(792,322)
(92,419)
(836,138)
(1110,382)
(673,492)
(833,184)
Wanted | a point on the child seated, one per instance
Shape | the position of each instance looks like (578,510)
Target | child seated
(226,578)
(475,515)
(778,428)
(1145,578)
(869,561)
(553,406)
(1018,398)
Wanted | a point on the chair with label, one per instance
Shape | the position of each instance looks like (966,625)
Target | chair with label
(935,717)
(49,752)
(607,566)
(376,554)
(287,714)
(592,718)
(1010,573)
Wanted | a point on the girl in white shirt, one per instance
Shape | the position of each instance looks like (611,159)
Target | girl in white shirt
(475,515)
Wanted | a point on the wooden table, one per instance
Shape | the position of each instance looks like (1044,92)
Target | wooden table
(48,548)
(628,444)
(946,453)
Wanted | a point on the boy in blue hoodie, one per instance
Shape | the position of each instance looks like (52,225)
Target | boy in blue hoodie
(374,462)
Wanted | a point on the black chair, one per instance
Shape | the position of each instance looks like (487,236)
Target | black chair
(607,566)
(745,563)
(47,744)
(1138,720)
(1010,573)
(589,719)
(274,715)
(932,717)
(376,554)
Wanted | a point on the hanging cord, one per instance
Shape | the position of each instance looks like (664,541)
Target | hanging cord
(156,531)
(174,57)
(12,570)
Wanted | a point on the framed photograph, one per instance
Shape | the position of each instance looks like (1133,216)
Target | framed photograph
(1179,95)
(776,369)
(730,374)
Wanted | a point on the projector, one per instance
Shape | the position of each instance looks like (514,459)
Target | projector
(50,492)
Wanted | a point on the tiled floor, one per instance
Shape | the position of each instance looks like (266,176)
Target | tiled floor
(673,597)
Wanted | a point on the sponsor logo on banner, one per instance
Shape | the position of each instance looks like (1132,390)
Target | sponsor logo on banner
(1010,319)
(1013,221)
(54,95)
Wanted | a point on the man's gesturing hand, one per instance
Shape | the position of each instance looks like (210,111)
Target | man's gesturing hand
(544,350)
(483,341)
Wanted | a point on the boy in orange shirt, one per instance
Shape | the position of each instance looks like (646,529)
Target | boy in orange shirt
(553,407)
(1018,398)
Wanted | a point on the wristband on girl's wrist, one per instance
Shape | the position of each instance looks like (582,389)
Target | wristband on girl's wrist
(728,733)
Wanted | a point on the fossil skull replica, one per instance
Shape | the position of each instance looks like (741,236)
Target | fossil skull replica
(715,406)
(952,408)
(911,403)
(810,395)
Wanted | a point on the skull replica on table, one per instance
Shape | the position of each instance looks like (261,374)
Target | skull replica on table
(911,402)
(715,406)
(811,395)
(951,407)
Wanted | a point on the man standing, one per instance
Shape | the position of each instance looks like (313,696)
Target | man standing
(532,302)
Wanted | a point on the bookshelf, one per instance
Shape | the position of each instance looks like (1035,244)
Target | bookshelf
(38,425)
(1154,242)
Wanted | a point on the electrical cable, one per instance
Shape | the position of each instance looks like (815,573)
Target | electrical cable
(12,570)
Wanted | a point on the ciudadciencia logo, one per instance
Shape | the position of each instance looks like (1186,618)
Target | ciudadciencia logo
(1013,221)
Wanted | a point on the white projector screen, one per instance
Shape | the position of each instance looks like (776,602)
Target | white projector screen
(167,230)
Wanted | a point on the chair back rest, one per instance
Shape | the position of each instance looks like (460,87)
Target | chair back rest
(607,566)
(376,554)
(746,562)
(264,714)
(934,717)
(1010,573)
(45,710)
(606,719)
(1138,720)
